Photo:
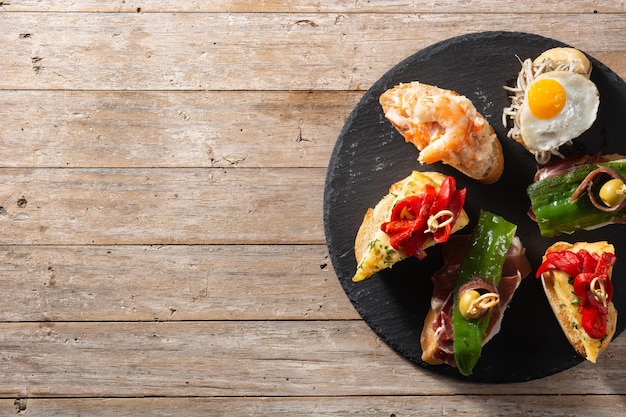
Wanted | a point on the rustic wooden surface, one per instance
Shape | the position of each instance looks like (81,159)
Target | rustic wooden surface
(162,248)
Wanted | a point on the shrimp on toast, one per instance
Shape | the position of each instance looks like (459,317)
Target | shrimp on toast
(445,126)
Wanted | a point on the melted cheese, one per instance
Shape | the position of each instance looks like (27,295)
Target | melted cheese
(567,307)
(569,304)
(380,255)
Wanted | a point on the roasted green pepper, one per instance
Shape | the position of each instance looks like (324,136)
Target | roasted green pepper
(485,255)
(557,212)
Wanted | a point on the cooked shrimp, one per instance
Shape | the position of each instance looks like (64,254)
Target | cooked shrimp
(439,125)
(444,126)
(448,128)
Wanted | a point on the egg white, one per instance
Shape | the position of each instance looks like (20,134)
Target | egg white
(578,114)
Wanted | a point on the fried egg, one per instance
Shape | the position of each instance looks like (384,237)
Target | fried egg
(558,106)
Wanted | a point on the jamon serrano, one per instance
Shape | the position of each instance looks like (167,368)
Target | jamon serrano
(437,335)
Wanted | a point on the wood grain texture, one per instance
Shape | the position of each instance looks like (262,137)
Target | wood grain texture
(382,406)
(255,51)
(161,206)
(244,358)
(293,6)
(169,282)
(67,129)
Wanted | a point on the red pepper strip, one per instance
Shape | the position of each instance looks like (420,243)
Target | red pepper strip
(444,198)
(594,312)
(410,232)
(593,321)
(584,267)
(455,206)
(398,227)
(413,245)
(566,261)
(401,229)
(582,283)
(589,261)
(607,260)
(407,203)
(445,195)
(424,211)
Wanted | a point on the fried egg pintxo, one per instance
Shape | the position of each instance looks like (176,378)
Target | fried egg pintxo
(552,103)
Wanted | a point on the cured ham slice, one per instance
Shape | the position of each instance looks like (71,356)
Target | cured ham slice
(437,334)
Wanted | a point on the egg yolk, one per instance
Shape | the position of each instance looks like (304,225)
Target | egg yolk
(546,98)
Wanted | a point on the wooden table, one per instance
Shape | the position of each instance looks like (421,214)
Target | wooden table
(162,248)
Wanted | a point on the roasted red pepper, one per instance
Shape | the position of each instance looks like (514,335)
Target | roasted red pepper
(586,267)
(412,217)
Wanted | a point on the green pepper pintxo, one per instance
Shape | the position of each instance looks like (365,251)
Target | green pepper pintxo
(485,255)
(555,209)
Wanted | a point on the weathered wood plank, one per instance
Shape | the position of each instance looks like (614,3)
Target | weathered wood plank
(254,51)
(359,6)
(433,406)
(132,283)
(162,206)
(246,358)
(171,129)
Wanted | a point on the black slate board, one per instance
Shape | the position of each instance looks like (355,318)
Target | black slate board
(370,155)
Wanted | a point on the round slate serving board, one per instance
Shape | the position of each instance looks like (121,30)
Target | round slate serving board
(370,155)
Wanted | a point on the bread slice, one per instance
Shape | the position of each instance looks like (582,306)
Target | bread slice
(431,353)
(446,127)
(560,294)
(568,59)
(372,247)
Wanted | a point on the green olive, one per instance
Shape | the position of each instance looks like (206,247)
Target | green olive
(465,305)
(612,192)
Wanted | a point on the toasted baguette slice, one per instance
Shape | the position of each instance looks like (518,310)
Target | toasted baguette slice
(568,59)
(431,348)
(560,294)
(446,127)
(372,247)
